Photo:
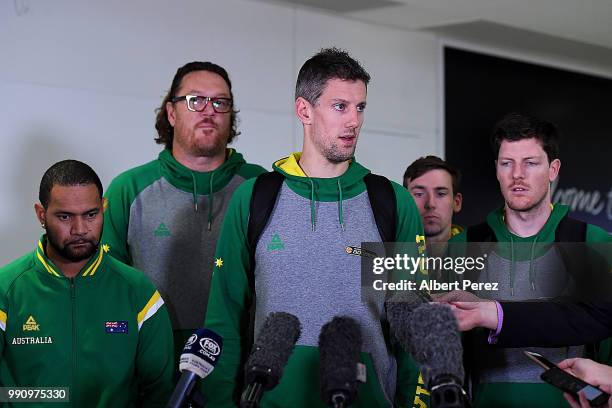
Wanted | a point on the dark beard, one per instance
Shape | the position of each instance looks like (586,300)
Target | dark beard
(67,252)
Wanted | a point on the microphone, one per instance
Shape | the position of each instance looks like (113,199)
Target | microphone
(399,308)
(270,353)
(199,357)
(435,344)
(339,348)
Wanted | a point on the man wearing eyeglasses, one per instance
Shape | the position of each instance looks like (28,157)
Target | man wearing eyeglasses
(164,217)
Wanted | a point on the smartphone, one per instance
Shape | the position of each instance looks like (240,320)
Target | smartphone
(567,382)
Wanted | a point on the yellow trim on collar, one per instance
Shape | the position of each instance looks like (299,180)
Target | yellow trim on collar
(90,271)
(94,266)
(291,166)
(39,255)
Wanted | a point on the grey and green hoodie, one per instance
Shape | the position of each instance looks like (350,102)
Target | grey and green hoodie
(164,219)
(302,267)
(504,377)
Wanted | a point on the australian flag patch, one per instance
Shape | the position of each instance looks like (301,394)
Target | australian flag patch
(116,327)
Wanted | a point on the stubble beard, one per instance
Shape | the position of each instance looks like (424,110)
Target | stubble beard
(335,154)
(529,208)
(66,252)
(433,231)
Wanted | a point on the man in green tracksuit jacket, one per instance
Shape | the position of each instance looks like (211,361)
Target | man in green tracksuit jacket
(164,217)
(524,267)
(302,262)
(72,316)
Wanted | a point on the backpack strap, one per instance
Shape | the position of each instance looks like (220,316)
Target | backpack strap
(384,205)
(263,199)
(571,230)
(481,233)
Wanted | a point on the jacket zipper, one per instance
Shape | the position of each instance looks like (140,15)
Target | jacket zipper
(74,345)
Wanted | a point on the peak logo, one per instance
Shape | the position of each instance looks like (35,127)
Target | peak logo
(31,325)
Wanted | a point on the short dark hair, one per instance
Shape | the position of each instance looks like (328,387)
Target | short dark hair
(67,173)
(329,63)
(425,164)
(516,126)
(165,131)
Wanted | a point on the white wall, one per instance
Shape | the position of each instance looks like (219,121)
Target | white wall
(81,79)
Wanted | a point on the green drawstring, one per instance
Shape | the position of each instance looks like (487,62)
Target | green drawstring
(210,197)
(313,215)
(193,192)
(532,273)
(531,270)
(210,201)
(340,216)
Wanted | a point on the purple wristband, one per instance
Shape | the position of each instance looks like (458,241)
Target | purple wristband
(500,319)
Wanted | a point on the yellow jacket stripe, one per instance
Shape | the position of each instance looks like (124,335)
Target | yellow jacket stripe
(150,308)
(45,264)
(94,266)
(3,320)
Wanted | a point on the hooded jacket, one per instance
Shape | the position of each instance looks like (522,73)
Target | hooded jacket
(302,267)
(104,334)
(164,219)
(525,269)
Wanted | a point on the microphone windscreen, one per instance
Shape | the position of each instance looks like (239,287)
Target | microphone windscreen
(201,352)
(272,348)
(399,307)
(436,342)
(339,348)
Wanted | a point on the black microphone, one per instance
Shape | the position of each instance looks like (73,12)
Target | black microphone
(199,357)
(435,344)
(339,348)
(399,308)
(270,353)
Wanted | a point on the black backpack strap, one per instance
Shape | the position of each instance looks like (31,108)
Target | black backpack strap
(384,205)
(571,230)
(481,233)
(263,199)
(576,259)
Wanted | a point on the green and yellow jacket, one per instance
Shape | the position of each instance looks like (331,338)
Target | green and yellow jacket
(104,334)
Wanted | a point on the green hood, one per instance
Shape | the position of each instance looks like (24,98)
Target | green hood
(524,248)
(200,183)
(495,219)
(348,185)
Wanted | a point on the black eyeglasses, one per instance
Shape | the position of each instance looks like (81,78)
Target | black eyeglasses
(197,103)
